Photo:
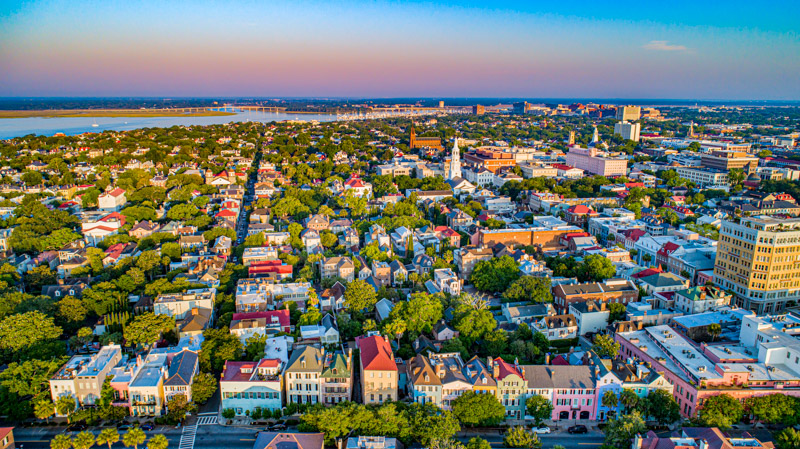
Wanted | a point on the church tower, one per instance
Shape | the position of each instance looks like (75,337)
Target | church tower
(412,139)
(595,136)
(455,163)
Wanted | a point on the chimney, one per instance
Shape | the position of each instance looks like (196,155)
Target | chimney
(349,357)
(547,359)
(703,444)
(603,306)
(640,324)
(637,441)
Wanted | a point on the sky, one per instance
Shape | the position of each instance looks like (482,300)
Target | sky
(733,50)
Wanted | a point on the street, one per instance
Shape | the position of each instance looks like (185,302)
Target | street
(240,437)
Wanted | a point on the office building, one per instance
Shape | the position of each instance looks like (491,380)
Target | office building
(596,162)
(726,160)
(628,131)
(757,260)
(629,113)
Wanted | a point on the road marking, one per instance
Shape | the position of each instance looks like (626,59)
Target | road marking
(187,437)
(33,441)
(247,439)
(207,420)
(589,444)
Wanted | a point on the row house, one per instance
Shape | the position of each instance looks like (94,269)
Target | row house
(337,377)
(571,389)
(82,377)
(379,373)
(244,386)
(259,294)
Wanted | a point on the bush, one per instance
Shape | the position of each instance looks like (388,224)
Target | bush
(228,413)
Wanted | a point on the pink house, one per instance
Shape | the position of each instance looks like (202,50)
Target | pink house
(571,389)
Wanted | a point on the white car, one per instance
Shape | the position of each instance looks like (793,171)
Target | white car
(540,430)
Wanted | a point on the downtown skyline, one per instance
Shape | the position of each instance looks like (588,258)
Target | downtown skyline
(393,49)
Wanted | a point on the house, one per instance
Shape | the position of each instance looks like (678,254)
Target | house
(250,324)
(480,377)
(274,440)
(467,257)
(511,386)
(700,299)
(190,242)
(365,442)
(146,389)
(450,369)
(112,200)
(332,299)
(591,317)
(422,263)
(558,327)
(7,438)
(381,273)
(443,331)
(524,313)
(398,272)
(312,241)
(326,332)
(571,389)
(337,267)
(612,290)
(383,308)
(183,367)
(244,386)
(359,187)
(447,281)
(663,282)
(379,374)
(302,375)
(82,376)
(318,222)
(143,229)
(96,230)
(424,385)
(337,377)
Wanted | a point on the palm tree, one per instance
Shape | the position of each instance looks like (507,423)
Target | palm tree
(44,409)
(788,438)
(134,437)
(714,329)
(158,442)
(108,436)
(61,442)
(83,440)
(628,399)
(610,400)
(65,405)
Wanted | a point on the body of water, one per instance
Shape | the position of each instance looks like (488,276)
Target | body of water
(48,126)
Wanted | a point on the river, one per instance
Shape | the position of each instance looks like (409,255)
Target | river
(48,126)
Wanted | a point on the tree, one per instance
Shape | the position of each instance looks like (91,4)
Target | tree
(420,313)
(539,407)
(660,405)
(134,437)
(83,440)
(218,346)
(395,329)
(178,406)
(596,268)
(616,312)
(38,277)
(65,405)
(530,288)
(148,261)
(71,310)
(359,296)
(628,399)
(720,411)
(714,330)
(474,323)
(610,400)
(44,409)
(23,331)
(478,443)
(203,387)
(229,413)
(61,441)
(147,328)
(495,275)
(772,408)
(518,437)
(108,436)
(311,317)
(158,442)
(474,409)
(788,438)
(621,431)
(605,346)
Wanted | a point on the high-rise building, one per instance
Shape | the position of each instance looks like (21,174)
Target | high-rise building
(757,261)
(595,135)
(478,109)
(629,113)
(726,160)
(571,140)
(628,131)
(441,104)
(455,162)
(521,107)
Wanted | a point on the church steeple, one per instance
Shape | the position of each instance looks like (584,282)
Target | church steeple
(455,162)
(595,136)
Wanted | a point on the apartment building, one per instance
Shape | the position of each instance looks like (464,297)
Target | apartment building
(511,386)
(258,294)
(532,170)
(302,375)
(704,177)
(244,386)
(146,389)
(725,160)
(631,113)
(379,373)
(82,376)
(180,305)
(259,254)
(757,260)
(571,389)
(628,130)
(489,159)
(546,237)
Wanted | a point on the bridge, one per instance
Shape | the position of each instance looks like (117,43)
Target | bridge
(241,108)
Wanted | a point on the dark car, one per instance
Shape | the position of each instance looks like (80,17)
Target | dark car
(77,427)
(147,427)
(276,427)
(580,428)
(124,427)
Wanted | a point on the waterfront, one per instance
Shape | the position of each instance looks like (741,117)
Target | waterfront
(48,126)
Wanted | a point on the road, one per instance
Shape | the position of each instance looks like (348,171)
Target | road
(249,195)
(242,437)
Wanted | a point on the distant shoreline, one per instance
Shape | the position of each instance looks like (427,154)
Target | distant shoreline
(77,113)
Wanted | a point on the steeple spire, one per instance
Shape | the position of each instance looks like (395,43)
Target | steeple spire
(455,162)
(595,136)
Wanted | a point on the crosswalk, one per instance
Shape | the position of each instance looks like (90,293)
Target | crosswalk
(187,437)
(207,420)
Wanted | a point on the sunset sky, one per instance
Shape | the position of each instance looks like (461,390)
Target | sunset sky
(270,48)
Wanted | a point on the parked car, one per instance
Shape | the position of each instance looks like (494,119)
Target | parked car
(147,427)
(124,426)
(77,427)
(276,427)
(580,428)
(541,430)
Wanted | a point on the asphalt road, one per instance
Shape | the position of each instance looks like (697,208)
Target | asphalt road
(232,437)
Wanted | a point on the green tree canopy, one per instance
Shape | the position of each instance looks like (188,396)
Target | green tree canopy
(475,409)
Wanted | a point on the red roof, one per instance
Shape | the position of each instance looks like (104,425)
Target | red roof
(580,209)
(226,213)
(112,216)
(562,167)
(668,248)
(4,431)
(506,369)
(376,353)
(116,192)
(446,231)
(647,272)
(560,360)
(634,234)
